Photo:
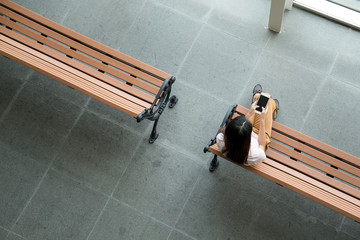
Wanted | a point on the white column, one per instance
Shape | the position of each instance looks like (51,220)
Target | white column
(277,12)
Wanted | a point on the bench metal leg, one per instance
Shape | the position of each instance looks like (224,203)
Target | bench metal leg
(154,135)
(214,163)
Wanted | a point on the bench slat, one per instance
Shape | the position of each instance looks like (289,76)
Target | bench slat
(316,164)
(90,52)
(315,153)
(311,141)
(81,67)
(354,199)
(324,197)
(314,174)
(79,56)
(70,79)
(306,189)
(86,40)
(315,184)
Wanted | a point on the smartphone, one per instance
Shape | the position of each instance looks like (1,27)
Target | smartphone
(262,102)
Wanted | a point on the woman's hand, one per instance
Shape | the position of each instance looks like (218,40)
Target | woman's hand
(251,110)
(263,113)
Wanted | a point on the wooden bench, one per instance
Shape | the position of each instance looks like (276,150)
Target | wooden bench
(101,72)
(307,166)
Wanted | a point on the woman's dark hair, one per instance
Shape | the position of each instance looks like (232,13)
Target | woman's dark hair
(237,138)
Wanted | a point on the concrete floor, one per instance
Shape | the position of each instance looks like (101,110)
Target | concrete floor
(74,168)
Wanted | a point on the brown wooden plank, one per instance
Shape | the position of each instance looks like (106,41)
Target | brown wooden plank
(85,40)
(315,153)
(321,196)
(314,174)
(81,67)
(324,197)
(82,48)
(73,81)
(314,182)
(23,49)
(53,70)
(68,77)
(317,144)
(316,164)
(311,141)
(77,55)
(353,196)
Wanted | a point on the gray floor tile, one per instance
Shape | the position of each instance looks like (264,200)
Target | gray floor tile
(277,221)
(158,182)
(169,34)
(304,205)
(244,19)
(197,115)
(12,76)
(55,88)
(332,111)
(37,123)
(104,21)
(347,68)
(97,152)
(3,233)
(175,235)
(52,9)
(121,118)
(220,208)
(119,221)
(219,64)
(61,209)
(313,47)
(19,177)
(195,8)
(13,236)
(349,45)
(351,227)
(10,68)
(282,79)
(9,86)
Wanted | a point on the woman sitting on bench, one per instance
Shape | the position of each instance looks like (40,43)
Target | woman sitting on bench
(246,138)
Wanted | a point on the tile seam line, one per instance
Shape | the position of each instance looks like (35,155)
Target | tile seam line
(182,232)
(202,21)
(325,80)
(141,212)
(187,200)
(64,17)
(14,233)
(49,167)
(181,151)
(300,64)
(85,185)
(145,136)
(176,11)
(253,70)
(190,49)
(204,92)
(15,97)
(132,25)
(117,123)
(115,187)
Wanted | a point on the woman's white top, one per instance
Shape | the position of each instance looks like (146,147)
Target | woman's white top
(256,154)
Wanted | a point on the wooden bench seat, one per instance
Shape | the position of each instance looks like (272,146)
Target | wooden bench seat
(101,72)
(307,166)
